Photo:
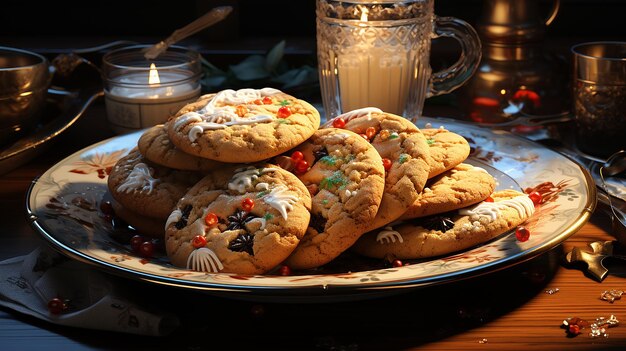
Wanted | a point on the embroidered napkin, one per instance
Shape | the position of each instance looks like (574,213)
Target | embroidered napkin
(93,301)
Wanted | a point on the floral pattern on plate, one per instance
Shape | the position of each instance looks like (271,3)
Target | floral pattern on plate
(65,204)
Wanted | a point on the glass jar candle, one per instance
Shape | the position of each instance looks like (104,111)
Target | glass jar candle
(140,93)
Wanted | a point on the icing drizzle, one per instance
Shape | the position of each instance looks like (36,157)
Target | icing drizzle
(139,179)
(489,211)
(213,117)
(204,260)
(242,180)
(280,199)
(388,235)
(365,111)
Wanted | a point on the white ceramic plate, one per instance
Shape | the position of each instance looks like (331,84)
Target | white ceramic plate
(64,206)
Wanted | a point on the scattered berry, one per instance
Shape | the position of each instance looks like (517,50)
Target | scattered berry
(258,102)
(267,100)
(396,263)
(536,197)
(135,242)
(302,166)
(522,234)
(56,305)
(247,204)
(370,132)
(107,208)
(146,249)
(297,156)
(573,329)
(210,219)
(339,123)
(198,241)
(387,164)
(284,270)
(283,112)
(489,199)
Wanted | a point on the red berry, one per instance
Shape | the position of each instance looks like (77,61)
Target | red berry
(489,199)
(536,197)
(574,329)
(284,270)
(247,204)
(146,249)
(106,207)
(135,242)
(56,305)
(267,100)
(283,112)
(302,166)
(258,102)
(387,164)
(297,156)
(397,263)
(210,219)
(522,234)
(198,241)
(339,123)
(370,132)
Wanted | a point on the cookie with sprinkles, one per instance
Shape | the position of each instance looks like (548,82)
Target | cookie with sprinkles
(245,221)
(155,145)
(345,176)
(462,186)
(451,231)
(242,126)
(447,149)
(148,189)
(405,154)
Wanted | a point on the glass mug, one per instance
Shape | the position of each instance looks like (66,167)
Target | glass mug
(376,54)
(599,89)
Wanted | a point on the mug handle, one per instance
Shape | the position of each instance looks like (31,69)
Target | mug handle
(447,80)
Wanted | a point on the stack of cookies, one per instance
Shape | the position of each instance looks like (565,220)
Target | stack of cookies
(246,181)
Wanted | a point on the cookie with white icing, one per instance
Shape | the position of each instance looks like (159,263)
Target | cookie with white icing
(345,175)
(246,125)
(447,149)
(405,155)
(245,221)
(148,189)
(462,186)
(450,232)
(155,145)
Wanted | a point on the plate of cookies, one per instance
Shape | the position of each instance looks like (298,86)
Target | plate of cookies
(249,194)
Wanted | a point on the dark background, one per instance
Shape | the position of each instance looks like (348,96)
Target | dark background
(52,21)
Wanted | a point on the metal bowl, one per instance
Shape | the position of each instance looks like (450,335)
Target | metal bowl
(24,80)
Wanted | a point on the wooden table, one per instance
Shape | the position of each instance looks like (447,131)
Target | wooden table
(505,310)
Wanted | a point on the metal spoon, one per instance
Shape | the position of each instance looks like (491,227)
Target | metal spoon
(210,18)
(615,164)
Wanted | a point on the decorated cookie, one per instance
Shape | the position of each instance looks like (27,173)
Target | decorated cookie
(451,231)
(345,175)
(245,125)
(404,152)
(462,186)
(148,226)
(447,149)
(148,189)
(155,145)
(245,222)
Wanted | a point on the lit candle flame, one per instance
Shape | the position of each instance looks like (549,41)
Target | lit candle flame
(154,75)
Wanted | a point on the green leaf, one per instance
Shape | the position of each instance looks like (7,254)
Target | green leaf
(251,68)
(274,56)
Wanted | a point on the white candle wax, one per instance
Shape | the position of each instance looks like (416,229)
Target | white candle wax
(132,103)
(374,76)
